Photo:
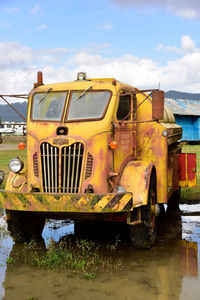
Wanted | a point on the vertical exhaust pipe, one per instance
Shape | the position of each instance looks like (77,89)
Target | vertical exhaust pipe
(39,79)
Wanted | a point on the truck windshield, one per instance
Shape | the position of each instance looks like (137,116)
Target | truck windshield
(91,105)
(48,106)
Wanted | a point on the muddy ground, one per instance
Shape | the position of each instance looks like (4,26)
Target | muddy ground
(170,270)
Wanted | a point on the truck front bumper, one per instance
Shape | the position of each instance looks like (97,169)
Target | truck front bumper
(88,203)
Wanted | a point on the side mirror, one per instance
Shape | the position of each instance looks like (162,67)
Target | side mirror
(157,104)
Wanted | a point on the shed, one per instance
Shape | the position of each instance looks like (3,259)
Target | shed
(187,115)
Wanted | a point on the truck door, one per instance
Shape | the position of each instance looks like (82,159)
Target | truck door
(125,130)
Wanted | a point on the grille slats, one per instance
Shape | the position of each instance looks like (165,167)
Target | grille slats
(52,174)
(56,157)
(35,165)
(48,170)
(77,173)
(89,166)
(71,162)
(49,158)
(44,169)
(64,176)
(71,166)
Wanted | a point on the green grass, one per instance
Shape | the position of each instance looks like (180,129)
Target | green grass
(82,257)
(12,139)
(5,157)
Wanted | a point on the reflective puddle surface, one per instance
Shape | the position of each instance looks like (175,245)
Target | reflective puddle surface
(170,270)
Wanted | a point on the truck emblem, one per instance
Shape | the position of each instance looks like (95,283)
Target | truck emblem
(61,142)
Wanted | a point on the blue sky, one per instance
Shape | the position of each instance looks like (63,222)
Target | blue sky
(143,43)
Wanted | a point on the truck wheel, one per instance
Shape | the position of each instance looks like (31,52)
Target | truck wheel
(24,226)
(144,235)
(1,140)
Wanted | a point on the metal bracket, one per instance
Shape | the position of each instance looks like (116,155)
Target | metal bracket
(137,216)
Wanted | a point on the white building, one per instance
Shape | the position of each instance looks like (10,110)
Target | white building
(9,128)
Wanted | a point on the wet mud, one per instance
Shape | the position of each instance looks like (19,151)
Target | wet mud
(170,270)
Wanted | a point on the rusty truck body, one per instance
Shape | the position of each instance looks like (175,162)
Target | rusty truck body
(97,150)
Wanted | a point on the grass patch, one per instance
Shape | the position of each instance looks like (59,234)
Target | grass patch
(11,260)
(12,139)
(81,257)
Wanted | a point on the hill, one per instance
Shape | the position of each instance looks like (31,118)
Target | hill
(182,95)
(7,114)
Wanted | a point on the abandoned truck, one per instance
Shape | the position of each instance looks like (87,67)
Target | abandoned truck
(97,150)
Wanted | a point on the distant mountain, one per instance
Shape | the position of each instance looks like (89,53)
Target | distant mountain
(182,95)
(7,114)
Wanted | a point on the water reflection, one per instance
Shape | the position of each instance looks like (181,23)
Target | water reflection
(168,271)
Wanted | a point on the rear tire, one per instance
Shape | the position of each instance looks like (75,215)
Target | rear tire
(24,226)
(144,235)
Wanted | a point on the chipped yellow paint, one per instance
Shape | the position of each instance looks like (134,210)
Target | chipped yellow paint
(42,202)
(188,183)
(103,202)
(119,206)
(82,202)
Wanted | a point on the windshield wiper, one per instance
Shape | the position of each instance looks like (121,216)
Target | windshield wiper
(45,94)
(81,95)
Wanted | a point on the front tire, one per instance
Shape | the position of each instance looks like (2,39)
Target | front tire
(144,235)
(24,226)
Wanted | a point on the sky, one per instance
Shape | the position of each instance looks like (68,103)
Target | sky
(145,43)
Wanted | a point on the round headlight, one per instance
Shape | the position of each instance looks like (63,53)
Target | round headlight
(1,176)
(164,133)
(16,165)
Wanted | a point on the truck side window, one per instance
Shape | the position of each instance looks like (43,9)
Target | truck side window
(124,107)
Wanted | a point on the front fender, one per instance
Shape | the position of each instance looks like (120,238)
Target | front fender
(135,178)
(16,182)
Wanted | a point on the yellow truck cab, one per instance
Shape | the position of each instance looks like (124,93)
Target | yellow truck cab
(97,149)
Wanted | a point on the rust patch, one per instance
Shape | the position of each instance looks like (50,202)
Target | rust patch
(147,174)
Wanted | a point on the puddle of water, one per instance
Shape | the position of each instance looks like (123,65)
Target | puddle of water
(190,208)
(55,230)
(170,270)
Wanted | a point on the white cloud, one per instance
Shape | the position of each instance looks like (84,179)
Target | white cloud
(187,46)
(169,48)
(19,65)
(106,26)
(41,27)
(12,54)
(189,9)
(7,24)
(11,10)
(55,51)
(35,9)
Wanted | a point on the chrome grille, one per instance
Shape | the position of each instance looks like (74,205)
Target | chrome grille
(50,168)
(71,166)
